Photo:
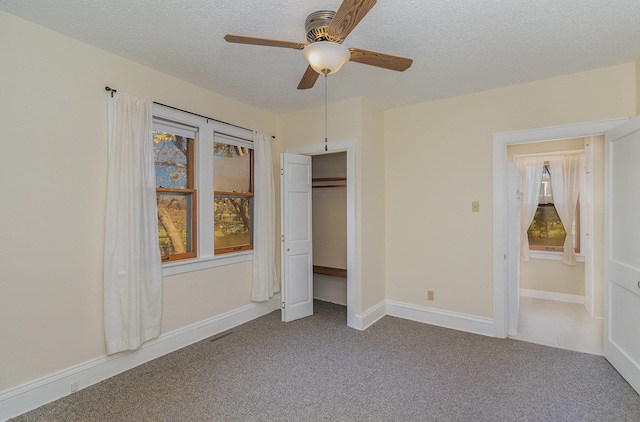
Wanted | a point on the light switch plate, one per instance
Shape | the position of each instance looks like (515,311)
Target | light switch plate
(475,206)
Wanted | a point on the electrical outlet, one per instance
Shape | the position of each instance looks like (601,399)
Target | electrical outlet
(74,386)
(430,295)
(475,206)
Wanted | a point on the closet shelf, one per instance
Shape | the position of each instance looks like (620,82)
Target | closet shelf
(328,179)
(335,272)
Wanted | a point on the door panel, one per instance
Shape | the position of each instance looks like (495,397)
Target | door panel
(300,292)
(298,227)
(627,310)
(297,254)
(622,251)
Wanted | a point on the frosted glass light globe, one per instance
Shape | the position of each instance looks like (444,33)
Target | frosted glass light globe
(326,56)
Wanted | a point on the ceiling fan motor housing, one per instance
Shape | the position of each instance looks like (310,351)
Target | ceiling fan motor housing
(316,27)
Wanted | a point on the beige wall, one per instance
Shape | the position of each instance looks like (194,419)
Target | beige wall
(330,212)
(372,212)
(543,147)
(552,276)
(439,159)
(54,113)
(361,121)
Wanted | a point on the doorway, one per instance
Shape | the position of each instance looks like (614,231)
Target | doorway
(348,148)
(329,210)
(505,251)
(552,305)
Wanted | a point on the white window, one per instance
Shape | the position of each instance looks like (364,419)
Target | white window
(204,191)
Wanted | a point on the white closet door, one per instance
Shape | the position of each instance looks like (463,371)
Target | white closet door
(297,254)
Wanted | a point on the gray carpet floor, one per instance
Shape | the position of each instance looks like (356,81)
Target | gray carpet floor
(317,369)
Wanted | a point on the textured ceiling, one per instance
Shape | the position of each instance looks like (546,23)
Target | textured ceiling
(458,46)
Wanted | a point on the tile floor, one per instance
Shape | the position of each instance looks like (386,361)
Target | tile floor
(559,324)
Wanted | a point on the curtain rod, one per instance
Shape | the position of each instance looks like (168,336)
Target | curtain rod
(112,91)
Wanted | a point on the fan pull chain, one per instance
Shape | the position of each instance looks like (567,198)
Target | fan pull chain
(325,114)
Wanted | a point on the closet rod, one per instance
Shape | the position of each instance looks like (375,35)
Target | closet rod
(112,91)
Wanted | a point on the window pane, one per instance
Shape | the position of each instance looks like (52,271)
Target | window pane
(232,168)
(170,155)
(174,223)
(546,228)
(546,193)
(232,219)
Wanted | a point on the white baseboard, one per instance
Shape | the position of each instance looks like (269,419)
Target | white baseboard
(558,297)
(441,318)
(370,316)
(21,399)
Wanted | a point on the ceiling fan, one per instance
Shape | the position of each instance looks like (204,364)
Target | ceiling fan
(328,29)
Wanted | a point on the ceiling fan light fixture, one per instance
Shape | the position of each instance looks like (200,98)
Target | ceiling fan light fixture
(326,57)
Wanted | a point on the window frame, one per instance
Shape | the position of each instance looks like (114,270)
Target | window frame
(203,184)
(190,134)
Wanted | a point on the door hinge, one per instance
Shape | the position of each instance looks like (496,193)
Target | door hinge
(282,237)
(282,305)
(282,172)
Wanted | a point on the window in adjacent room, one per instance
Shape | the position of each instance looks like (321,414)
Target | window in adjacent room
(233,166)
(546,232)
(175,194)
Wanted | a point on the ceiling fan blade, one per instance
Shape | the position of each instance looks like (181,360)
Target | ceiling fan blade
(348,16)
(264,41)
(385,61)
(308,79)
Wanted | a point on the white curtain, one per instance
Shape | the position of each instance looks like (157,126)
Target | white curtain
(265,280)
(566,173)
(132,263)
(530,179)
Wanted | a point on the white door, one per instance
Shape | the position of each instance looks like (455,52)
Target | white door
(297,256)
(513,248)
(622,251)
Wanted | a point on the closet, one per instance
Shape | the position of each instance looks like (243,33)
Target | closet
(330,227)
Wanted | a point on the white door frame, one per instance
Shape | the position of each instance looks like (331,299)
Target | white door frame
(348,146)
(500,241)
(513,239)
